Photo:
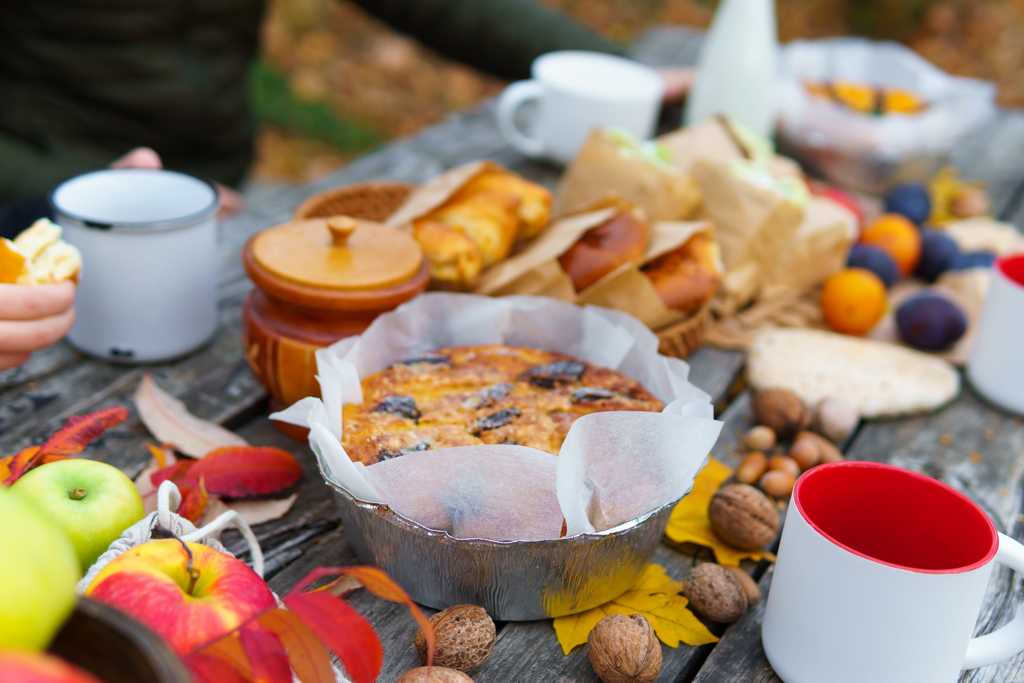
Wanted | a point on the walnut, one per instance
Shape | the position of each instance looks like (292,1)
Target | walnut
(463,637)
(743,517)
(624,649)
(714,592)
(781,410)
(747,583)
(434,674)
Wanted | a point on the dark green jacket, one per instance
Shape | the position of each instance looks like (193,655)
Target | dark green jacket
(84,81)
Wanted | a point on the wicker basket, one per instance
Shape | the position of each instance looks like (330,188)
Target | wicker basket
(377,200)
(373,201)
(682,338)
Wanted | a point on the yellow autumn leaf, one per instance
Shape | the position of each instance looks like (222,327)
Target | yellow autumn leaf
(689,520)
(656,596)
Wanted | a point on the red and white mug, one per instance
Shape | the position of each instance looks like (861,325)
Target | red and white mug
(996,364)
(880,577)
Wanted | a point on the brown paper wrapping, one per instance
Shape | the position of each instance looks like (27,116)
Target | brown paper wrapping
(536,269)
(627,289)
(602,169)
(436,192)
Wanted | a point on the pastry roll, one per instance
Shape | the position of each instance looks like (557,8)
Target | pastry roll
(686,278)
(487,218)
(455,260)
(619,240)
(534,201)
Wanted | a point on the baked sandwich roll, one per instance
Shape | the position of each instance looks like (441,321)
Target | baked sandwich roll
(621,239)
(38,256)
(686,278)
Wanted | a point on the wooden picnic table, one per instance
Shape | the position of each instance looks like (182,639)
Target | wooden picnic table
(967,444)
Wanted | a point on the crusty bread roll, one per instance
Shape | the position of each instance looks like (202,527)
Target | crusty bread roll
(619,240)
(686,278)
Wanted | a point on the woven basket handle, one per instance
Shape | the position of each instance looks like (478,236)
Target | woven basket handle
(169,498)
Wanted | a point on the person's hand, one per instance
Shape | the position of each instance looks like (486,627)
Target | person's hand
(144,157)
(678,81)
(33,317)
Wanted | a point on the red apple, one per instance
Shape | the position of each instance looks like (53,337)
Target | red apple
(189,593)
(25,667)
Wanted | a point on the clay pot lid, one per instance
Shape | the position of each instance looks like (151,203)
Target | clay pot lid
(339,253)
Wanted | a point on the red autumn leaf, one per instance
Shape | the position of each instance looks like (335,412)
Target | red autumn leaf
(245,471)
(162,454)
(193,502)
(380,584)
(307,655)
(343,630)
(174,472)
(5,466)
(71,439)
(267,656)
(20,463)
(207,667)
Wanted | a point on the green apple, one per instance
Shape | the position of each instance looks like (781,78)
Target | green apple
(93,502)
(38,573)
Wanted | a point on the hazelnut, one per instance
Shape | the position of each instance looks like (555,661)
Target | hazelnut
(805,452)
(752,467)
(743,517)
(624,649)
(785,464)
(434,674)
(778,484)
(463,637)
(813,449)
(835,419)
(747,583)
(715,593)
(781,410)
(969,202)
(759,438)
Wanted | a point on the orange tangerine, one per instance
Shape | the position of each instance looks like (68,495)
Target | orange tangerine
(898,237)
(853,301)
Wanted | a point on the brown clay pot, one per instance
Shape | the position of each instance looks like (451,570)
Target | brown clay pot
(318,281)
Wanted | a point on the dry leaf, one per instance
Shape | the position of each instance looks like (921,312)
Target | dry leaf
(657,597)
(689,521)
(252,511)
(169,421)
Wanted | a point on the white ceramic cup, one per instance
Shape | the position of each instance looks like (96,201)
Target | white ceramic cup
(880,577)
(148,287)
(575,92)
(996,363)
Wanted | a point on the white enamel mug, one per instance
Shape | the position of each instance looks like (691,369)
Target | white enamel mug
(880,577)
(575,92)
(148,287)
(996,364)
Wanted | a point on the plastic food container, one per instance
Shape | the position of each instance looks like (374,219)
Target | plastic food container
(870,152)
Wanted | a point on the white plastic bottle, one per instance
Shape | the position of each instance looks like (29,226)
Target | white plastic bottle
(738,70)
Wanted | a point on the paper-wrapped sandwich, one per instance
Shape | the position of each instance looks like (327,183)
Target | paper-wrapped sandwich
(38,256)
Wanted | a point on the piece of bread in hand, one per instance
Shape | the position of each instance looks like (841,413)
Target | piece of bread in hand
(38,256)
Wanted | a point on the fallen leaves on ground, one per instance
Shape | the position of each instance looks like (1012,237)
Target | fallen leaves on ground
(68,441)
(169,421)
(657,597)
(689,521)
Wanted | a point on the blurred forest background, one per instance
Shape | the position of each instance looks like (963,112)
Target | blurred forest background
(333,83)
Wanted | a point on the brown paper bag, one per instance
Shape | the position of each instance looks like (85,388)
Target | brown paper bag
(755,223)
(627,289)
(819,247)
(535,270)
(609,165)
(721,139)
